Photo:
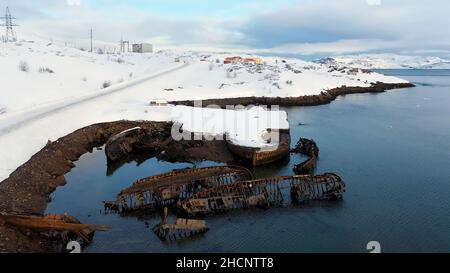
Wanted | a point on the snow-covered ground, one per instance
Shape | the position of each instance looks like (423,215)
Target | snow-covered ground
(391,61)
(37,106)
(36,73)
(278,77)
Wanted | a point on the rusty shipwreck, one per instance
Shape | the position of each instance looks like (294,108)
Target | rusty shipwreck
(257,156)
(168,188)
(63,226)
(266,192)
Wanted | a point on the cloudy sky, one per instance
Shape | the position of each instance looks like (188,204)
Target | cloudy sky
(306,27)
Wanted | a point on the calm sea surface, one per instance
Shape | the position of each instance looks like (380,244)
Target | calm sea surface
(392,149)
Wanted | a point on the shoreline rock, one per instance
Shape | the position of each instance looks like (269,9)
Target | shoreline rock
(307,100)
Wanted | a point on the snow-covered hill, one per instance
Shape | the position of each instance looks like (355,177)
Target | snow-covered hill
(388,61)
(276,77)
(36,73)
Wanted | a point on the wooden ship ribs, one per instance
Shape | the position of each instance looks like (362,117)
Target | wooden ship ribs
(168,188)
(276,191)
(60,224)
(182,229)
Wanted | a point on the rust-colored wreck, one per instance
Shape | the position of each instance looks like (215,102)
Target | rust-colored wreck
(64,224)
(168,188)
(309,148)
(182,229)
(274,191)
(263,156)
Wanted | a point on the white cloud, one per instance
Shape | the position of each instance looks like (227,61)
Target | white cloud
(373,2)
(73,2)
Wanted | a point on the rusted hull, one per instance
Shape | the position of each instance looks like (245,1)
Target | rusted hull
(182,229)
(258,156)
(50,222)
(306,167)
(276,191)
(57,223)
(309,148)
(168,188)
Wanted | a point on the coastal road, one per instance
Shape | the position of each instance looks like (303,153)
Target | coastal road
(14,121)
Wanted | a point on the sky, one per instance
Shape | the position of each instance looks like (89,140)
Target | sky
(304,27)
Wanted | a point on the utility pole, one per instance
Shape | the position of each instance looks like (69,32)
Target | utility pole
(10,35)
(91,41)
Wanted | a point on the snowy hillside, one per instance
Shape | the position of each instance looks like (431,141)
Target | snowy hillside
(277,77)
(35,73)
(40,73)
(389,61)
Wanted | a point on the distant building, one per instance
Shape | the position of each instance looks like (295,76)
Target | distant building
(143,48)
(253,60)
(232,60)
(238,59)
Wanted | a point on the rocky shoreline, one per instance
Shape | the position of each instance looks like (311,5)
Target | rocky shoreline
(308,100)
(28,189)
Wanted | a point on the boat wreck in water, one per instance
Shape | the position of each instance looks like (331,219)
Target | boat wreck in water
(309,148)
(257,156)
(182,229)
(65,225)
(168,188)
(275,191)
(136,139)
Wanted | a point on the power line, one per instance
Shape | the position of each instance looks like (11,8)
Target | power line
(10,35)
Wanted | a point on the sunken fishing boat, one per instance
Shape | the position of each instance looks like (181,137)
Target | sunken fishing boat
(266,192)
(181,229)
(309,148)
(63,226)
(275,148)
(168,188)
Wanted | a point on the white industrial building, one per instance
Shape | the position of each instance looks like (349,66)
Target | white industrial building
(143,48)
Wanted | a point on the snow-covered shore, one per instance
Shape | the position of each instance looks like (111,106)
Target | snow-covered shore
(53,104)
(36,74)
(277,77)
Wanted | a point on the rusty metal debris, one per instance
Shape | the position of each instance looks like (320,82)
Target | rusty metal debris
(276,191)
(309,148)
(168,188)
(260,156)
(137,139)
(182,229)
(121,144)
(64,225)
